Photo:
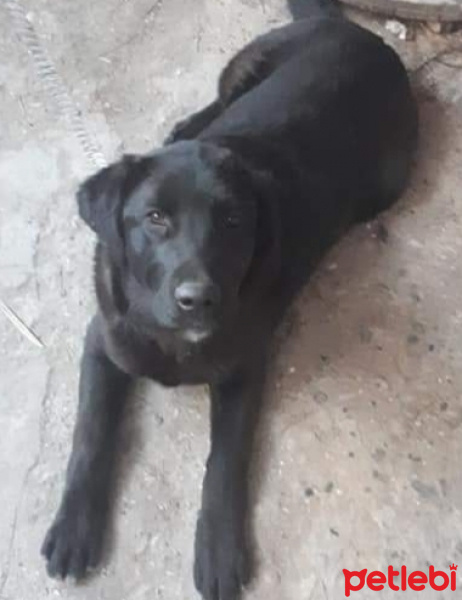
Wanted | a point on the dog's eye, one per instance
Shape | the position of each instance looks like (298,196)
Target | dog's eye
(157,218)
(233,221)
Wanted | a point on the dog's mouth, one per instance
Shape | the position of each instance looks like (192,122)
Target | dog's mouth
(197,335)
(199,328)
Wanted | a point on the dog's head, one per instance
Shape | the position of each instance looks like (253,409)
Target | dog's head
(182,227)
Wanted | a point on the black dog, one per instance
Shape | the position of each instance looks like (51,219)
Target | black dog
(204,243)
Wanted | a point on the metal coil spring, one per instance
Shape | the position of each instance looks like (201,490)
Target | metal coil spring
(53,83)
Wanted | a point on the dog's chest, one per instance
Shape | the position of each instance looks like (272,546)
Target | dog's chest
(172,366)
(190,365)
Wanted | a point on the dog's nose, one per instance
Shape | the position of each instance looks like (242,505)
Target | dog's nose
(194,295)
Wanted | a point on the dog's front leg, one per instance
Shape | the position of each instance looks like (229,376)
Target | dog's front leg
(222,564)
(192,126)
(73,544)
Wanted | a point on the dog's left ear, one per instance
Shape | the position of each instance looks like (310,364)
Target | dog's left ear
(100,198)
(266,262)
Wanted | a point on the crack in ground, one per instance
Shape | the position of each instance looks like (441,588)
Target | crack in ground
(147,18)
(35,463)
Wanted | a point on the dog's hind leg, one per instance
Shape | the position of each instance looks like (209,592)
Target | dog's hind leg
(247,69)
(192,126)
(259,59)
(243,72)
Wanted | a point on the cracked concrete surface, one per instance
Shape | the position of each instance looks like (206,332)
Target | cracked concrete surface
(359,452)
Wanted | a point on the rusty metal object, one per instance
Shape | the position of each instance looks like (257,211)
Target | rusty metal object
(421,10)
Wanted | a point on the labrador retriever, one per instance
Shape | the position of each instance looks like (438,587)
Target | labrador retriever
(203,244)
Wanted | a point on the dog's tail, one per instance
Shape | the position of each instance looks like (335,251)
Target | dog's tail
(303,9)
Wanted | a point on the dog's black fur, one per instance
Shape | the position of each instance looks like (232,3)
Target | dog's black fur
(204,243)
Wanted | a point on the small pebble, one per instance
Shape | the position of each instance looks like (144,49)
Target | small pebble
(334,532)
(309,492)
(397,28)
(382,233)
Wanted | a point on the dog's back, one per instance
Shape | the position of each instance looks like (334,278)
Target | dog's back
(335,120)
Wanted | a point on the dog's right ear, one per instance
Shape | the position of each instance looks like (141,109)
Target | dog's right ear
(101,197)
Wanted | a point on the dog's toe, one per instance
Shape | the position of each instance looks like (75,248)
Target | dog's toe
(222,565)
(73,544)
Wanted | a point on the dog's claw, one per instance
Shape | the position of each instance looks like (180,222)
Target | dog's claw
(222,565)
(73,544)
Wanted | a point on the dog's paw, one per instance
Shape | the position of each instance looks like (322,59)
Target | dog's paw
(177,132)
(174,135)
(221,565)
(73,544)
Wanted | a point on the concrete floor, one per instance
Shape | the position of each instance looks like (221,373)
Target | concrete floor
(360,449)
